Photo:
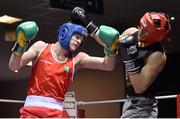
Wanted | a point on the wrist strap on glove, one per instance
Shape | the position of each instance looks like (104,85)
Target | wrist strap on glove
(132,66)
(91,28)
(18,50)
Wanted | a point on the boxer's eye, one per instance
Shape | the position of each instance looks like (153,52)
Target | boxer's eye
(157,22)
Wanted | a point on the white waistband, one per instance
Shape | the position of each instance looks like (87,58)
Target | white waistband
(42,101)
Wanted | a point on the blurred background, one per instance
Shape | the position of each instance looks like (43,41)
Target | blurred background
(89,85)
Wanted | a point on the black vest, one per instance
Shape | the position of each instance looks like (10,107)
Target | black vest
(143,54)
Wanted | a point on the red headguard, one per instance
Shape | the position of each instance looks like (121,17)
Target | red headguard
(157,26)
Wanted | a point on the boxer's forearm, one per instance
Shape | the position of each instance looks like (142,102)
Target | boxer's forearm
(14,62)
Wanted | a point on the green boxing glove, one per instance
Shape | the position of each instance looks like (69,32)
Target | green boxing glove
(26,31)
(109,37)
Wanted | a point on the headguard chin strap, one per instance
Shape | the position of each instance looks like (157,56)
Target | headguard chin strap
(157,26)
(66,31)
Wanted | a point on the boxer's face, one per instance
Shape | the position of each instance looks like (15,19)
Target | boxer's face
(75,42)
(142,34)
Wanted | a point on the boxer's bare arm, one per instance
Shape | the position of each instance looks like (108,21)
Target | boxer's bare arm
(83,60)
(142,80)
(17,62)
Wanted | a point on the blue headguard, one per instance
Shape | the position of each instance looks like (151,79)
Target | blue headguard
(66,31)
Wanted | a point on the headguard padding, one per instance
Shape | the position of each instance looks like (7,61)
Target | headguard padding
(66,31)
(157,26)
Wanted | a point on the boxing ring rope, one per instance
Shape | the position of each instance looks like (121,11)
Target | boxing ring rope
(82,103)
(11,101)
(79,103)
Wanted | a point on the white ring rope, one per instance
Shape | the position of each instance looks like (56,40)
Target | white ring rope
(166,97)
(11,101)
(79,103)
